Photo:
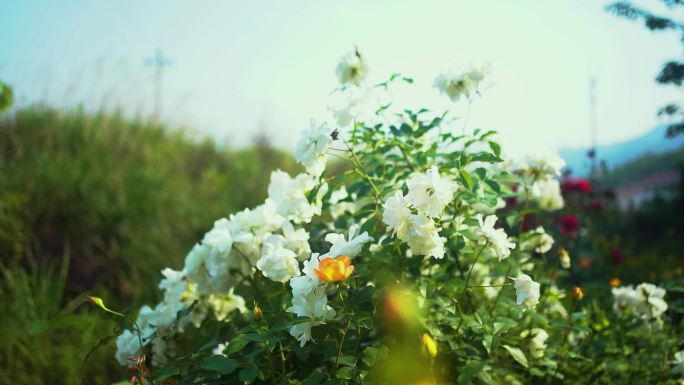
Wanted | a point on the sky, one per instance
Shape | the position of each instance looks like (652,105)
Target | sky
(243,68)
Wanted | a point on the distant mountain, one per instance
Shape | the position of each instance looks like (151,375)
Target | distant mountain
(617,154)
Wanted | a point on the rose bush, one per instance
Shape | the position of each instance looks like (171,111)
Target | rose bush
(423,257)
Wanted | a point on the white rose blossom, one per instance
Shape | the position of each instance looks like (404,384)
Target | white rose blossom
(311,148)
(678,362)
(538,342)
(307,282)
(224,304)
(313,305)
(456,83)
(277,262)
(527,291)
(423,237)
(538,240)
(352,69)
(289,196)
(351,246)
(547,193)
(496,239)
(396,214)
(429,192)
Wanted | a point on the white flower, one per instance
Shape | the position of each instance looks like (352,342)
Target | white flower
(352,69)
(538,240)
(429,192)
(497,239)
(220,349)
(356,107)
(538,342)
(651,302)
(456,83)
(351,246)
(296,240)
(338,205)
(310,150)
(624,297)
(678,362)
(527,291)
(302,332)
(277,262)
(313,304)
(289,196)
(219,237)
(646,301)
(423,237)
(225,304)
(127,346)
(541,166)
(176,289)
(194,261)
(547,193)
(307,282)
(396,214)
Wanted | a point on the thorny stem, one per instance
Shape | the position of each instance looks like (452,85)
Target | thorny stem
(269,354)
(465,288)
(505,284)
(565,339)
(359,170)
(339,349)
(470,272)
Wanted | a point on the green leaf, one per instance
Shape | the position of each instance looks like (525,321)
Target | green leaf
(236,344)
(345,373)
(471,369)
(314,379)
(164,373)
(466,179)
(248,375)
(220,364)
(496,148)
(517,355)
(347,360)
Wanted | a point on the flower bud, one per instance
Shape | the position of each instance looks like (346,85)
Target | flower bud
(577,292)
(564,258)
(429,345)
(258,314)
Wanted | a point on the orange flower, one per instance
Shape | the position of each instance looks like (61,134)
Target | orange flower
(585,262)
(615,282)
(577,292)
(334,270)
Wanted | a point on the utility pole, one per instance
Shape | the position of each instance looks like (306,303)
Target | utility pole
(159,62)
(593,125)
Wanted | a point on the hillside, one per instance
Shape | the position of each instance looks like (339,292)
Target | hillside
(651,143)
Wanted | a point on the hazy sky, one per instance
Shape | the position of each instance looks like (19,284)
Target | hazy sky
(244,66)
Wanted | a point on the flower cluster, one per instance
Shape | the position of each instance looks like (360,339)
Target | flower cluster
(420,244)
(646,301)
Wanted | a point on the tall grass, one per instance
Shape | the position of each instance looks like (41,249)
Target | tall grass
(43,340)
(119,199)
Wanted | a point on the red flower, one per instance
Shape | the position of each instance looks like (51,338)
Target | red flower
(569,225)
(617,255)
(596,206)
(579,185)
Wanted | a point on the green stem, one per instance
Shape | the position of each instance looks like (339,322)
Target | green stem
(498,295)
